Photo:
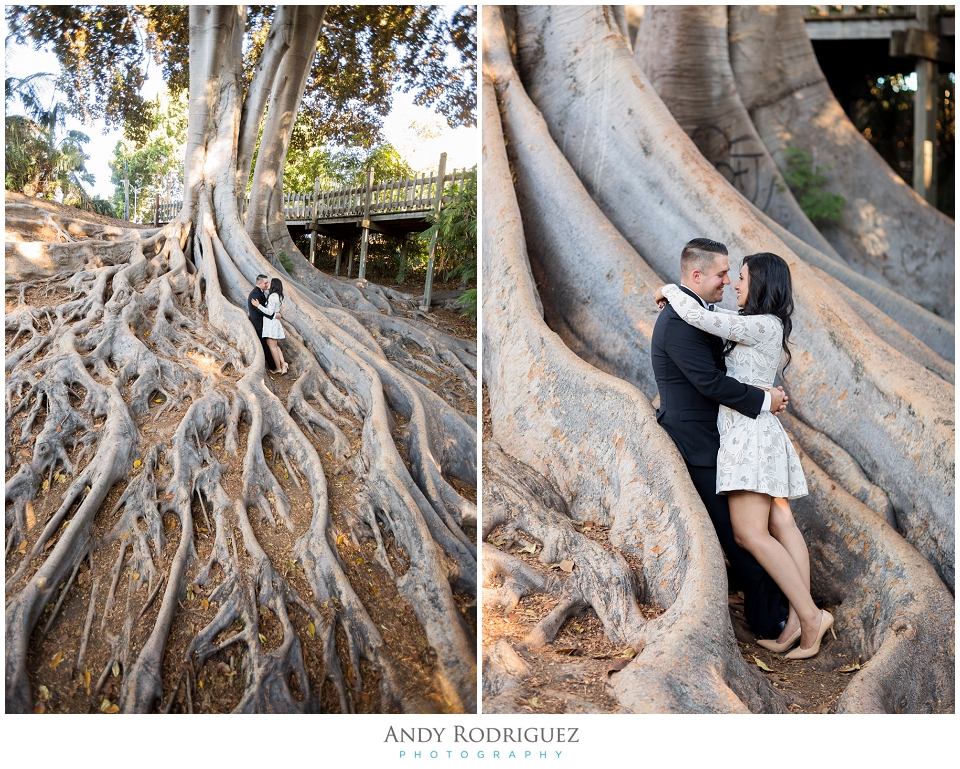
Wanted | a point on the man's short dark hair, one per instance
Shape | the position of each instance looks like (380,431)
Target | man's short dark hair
(260,277)
(699,254)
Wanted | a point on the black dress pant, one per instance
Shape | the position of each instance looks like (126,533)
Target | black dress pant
(763,602)
(263,343)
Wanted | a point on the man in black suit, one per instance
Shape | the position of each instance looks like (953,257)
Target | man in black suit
(256,317)
(691,376)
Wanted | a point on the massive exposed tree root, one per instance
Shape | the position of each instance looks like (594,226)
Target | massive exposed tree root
(629,149)
(695,81)
(162,495)
(559,416)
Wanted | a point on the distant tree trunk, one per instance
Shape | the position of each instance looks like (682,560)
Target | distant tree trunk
(205,498)
(683,51)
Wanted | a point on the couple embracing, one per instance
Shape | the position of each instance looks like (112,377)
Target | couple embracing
(715,370)
(263,309)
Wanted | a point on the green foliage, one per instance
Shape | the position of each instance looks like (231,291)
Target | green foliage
(40,160)
(285,261)
(103,51)
(340,167)
(806,183)
(156,166)
(468,303)
(456,229)
(101,206)
(364,53)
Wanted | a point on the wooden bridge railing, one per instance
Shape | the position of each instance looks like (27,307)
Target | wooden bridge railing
(860,11)
(417,194)
(414,197)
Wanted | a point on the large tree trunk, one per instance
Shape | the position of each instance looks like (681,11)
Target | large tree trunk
(887,230)
(683,51)
(545,414)
(235,537)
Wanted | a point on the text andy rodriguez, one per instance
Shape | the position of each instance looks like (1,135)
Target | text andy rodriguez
(530,735)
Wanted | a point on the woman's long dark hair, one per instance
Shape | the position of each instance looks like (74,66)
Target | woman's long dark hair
(770,293)
(276,287)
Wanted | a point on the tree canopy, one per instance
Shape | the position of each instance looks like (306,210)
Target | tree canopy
(104,52)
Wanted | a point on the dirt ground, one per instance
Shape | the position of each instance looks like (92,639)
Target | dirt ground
(64,684)
(570,675)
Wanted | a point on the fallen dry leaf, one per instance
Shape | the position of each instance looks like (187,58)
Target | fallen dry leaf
(761,664)
(851,668)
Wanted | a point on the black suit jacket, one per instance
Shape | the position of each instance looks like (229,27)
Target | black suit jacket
(691,376)
(256,317)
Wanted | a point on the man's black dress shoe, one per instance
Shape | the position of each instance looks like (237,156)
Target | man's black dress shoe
(775,631)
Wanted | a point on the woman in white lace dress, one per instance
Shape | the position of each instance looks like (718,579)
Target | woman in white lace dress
(272,329)
(757,467)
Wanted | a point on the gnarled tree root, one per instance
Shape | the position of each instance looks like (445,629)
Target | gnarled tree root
(829,517)
(202,505)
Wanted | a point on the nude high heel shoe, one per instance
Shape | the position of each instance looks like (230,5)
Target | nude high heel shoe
(773,646)
(826,623)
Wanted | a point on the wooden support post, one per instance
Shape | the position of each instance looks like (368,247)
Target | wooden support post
(428,288)
(313,219)
(925,115)
(365,224)
(336,268)
(350,260)
(156,209)
(403,252)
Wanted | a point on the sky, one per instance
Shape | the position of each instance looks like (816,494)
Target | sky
(460,144)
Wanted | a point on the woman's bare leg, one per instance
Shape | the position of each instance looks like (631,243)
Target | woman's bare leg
(277,355)
(750,517)
(784,529)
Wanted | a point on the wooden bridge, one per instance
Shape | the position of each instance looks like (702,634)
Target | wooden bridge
(396,207)
(865,22)
(853,40)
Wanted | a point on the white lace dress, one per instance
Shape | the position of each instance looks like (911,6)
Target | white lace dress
(271,326)
(755,454)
